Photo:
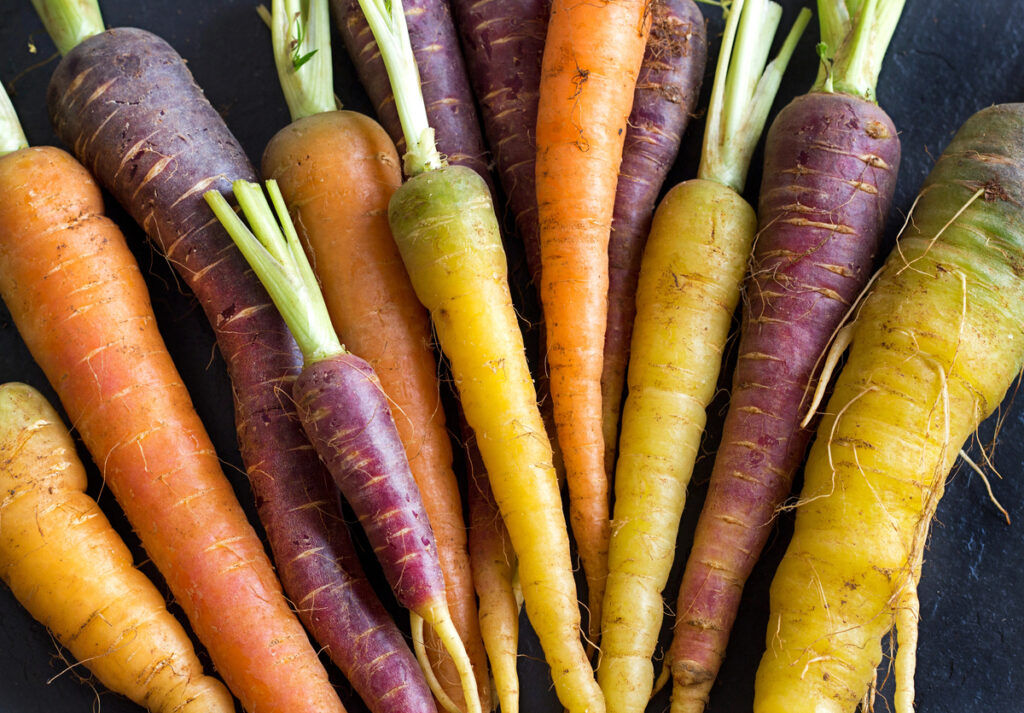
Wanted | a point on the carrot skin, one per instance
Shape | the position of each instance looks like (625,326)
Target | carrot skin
(451,110)
(358,441)
(592,57)
(81,305)
(339,206)
(830,172)
(936,345)
(178,148)
(667,90)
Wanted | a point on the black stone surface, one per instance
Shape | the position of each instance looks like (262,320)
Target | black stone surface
(948,59)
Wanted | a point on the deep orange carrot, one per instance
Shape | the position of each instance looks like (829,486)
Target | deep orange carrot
(337,172)
(79,300)
(592,57)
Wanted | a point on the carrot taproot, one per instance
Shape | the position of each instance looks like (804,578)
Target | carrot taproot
(71,570)
(443,221)
(592,56)
(346,414)
(666,95)
(688,288)
(337,170)
(829,173)
(936,344)
(79,301)
(129,108)
(494,577)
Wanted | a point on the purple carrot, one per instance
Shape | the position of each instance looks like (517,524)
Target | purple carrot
(450,108)
(347,416)
(504,43)
(666,95)
(165,146)
(830,170)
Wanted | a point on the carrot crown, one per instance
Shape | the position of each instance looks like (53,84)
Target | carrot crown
(68,22)
(854,37)
(12,137)
(744,88)
(276,256)
(387,22)
(301,37)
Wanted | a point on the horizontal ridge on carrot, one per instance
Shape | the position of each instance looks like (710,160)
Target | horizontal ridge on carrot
(444,224)
(348,419)
(936,344)
(688,288)
(830,165)
(74,574)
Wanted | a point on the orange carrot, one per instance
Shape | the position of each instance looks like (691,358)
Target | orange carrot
(592,57)
(79,300)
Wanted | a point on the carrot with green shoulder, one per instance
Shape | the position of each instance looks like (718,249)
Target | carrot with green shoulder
(689,286)
(830,165)
(934,348)
(444,224)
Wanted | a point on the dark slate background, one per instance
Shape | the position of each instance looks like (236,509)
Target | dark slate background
(948,59)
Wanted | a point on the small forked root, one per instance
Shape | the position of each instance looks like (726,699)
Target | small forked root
(416,627)
(440,620)
(663,676)
(843,338)
(988,486)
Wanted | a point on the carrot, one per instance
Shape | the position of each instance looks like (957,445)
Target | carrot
(688,288)
(128,106)
(79,301)
(337,170)
(73,573)
(450,106)
(345,412)
(494,577)
(592,56)
(935,346)
(444,224)
(829,173)
(503,43)
(666,95)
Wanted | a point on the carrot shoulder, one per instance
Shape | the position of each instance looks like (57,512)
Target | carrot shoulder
(592,57)
(78,298)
